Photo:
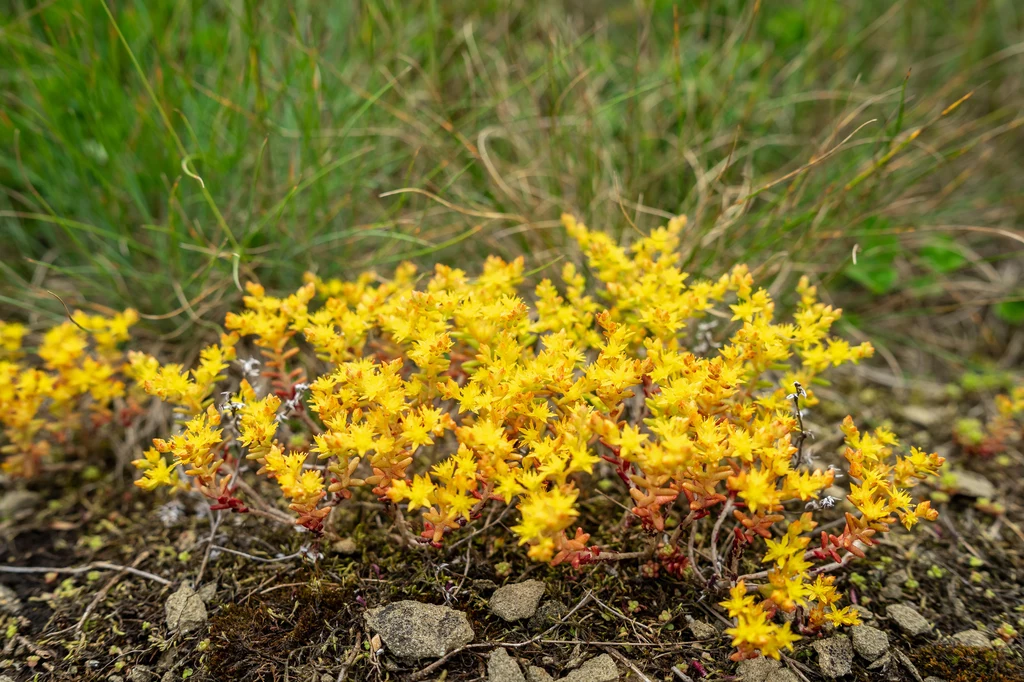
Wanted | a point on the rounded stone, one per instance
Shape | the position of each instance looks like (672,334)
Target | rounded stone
(908,619)
(517,601)
(757,669)
(599,669)
(410,629)
(869,642)
(185,610)
(835,656)
(503,668)
(972,638)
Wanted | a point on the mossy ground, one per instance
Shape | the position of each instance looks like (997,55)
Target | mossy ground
(293,619)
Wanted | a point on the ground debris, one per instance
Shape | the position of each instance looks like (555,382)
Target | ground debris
(414,630)
(185,610)
(517,601)
(972,638)
(908,619)
(870,642)
(598,669)
(503,668)
(757,669)
(835,656)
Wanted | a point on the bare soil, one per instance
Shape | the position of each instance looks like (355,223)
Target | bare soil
(277,615)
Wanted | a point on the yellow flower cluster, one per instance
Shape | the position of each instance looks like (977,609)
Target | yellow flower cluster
(66,388)
(447,393)
(883,490)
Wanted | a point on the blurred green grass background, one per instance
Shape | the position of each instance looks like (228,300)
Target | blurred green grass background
(155,153)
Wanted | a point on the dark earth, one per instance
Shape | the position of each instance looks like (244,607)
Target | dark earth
(272,613)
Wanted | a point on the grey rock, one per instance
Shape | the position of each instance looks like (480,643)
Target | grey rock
(185,610)
(503,668)
(18,504)
(971,484)
(884,663)
(757,669)
(207,592)
(869,642)
(975,638)
(907,665)
(932,678)
(835,656)
(115,678)
(701,629)
(167,660)
(9,602)
(548,613)
(170,676)
(345,547)
(599,669)
(6,678)
(517,601)
(485,585)
(893,588)
(908,619)
(414,630)
(922,415)
(537,674)
(141,673)
(862,612)
(782,675)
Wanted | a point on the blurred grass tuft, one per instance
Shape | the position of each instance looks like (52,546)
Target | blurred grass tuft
(222,141)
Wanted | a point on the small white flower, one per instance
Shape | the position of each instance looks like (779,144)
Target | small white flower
(250,366)
(170,513)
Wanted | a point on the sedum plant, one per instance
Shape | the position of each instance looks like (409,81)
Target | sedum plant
(995,435)
(448,395)
(70,386)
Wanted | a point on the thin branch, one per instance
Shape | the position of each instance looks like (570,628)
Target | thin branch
(726,508)
(419,675)
(256,558)
(95,566)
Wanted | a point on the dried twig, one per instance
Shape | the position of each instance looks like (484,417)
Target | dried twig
(625,661)
(95,566)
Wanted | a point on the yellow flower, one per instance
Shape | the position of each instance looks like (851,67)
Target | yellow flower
(156,471)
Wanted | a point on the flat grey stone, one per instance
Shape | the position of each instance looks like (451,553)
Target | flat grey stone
(907,665)
(599,669)
(864,613)
(410,629)
(548,613)
(503,668)
(835,656)
(141,673)
(908,619)
(971,484)
(932,678)
(537,674)
(207,592)
(485,585)
(869,642)
(975,638)
(757,669)
(517,601)
(922,415)
(18,504)
(893,588)
(9,602)
(345,547)
(702,629)
(185,610)
(782,675)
